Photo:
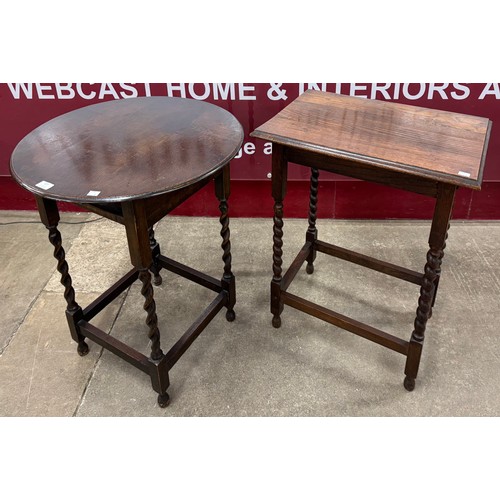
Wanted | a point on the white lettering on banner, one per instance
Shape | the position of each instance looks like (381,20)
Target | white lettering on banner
(181,87)
(388,92)
(276,93)
(490,89)
(439,87)
(242,88)
(108,89)
(133,91)
(15,90)
(217,90)
(247,148)
(40,89)
(82,94)
(65,91)
(355,87)
(465,91)
(268,148)
(71,90)
(382,88)
(196,96)
(311,86)
(224,91)
(88,91)
(418,95)
(246,92)
(435,90)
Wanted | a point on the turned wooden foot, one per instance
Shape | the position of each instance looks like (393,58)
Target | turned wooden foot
(163,400)
(409,383)
(82,349)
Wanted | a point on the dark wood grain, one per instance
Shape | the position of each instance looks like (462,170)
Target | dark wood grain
(392,136)
(127,149)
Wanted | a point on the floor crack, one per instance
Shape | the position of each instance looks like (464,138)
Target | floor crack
(87,383)
(32,303)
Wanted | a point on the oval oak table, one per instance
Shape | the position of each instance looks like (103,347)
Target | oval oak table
(133,161)
(421,150)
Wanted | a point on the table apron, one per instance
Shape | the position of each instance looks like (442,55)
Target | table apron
(357,170)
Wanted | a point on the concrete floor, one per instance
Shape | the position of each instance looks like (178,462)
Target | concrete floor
(248,368)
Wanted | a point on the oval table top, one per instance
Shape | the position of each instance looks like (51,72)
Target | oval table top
(125,150)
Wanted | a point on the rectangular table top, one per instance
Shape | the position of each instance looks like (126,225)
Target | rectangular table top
(440,145)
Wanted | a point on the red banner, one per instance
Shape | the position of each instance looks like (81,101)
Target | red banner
(24,106)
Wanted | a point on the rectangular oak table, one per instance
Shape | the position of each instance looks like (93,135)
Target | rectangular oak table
(424,151)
